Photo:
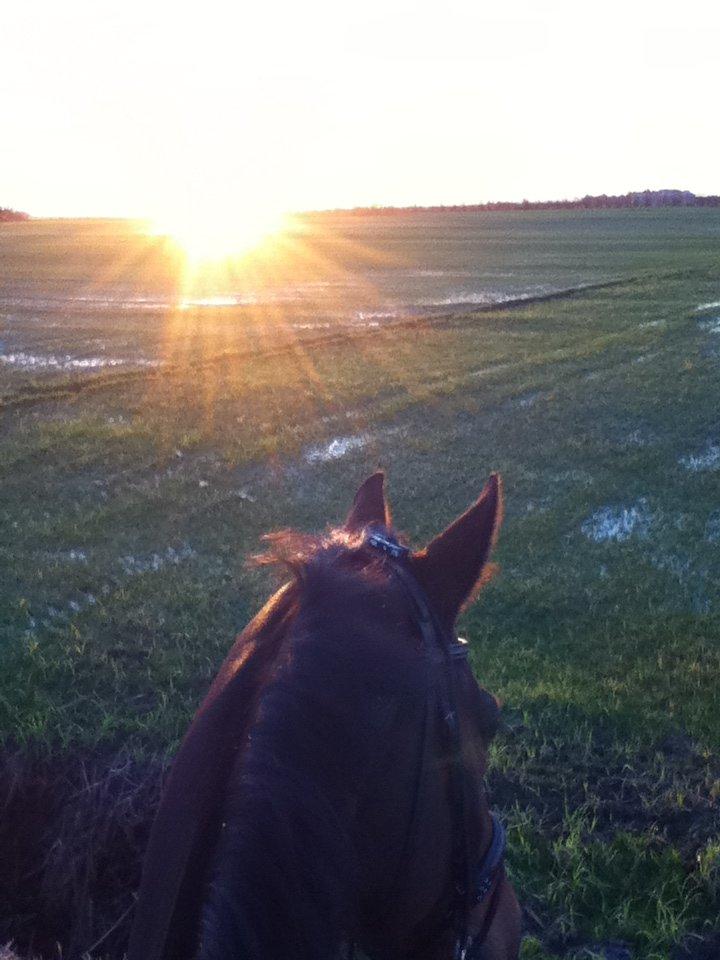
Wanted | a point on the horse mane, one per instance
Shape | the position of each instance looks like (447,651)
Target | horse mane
(285,875)
(296,552)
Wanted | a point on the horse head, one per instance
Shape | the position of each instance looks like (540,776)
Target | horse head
(330,789)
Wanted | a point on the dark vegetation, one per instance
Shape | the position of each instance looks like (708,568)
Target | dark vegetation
(632,201)
(12,216)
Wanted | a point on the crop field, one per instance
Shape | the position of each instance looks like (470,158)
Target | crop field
(154,423)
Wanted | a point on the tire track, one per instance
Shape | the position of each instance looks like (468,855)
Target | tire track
(68,389)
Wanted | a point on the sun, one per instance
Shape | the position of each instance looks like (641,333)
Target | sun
(210,235)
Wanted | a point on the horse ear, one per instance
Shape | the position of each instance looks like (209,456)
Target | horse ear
(451,566)
(369,505)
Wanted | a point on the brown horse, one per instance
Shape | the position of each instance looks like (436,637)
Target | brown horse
(329,792)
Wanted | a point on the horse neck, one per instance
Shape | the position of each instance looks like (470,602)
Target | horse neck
(284,880)
(312,823)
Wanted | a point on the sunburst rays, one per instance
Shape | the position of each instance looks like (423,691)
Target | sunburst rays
(229,312)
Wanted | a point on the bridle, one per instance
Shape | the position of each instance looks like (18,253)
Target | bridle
(473,884)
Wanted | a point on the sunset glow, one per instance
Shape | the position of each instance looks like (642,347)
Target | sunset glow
(329,106)
(209,236)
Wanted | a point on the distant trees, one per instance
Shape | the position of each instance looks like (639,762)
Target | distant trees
(6,214)
(645,198)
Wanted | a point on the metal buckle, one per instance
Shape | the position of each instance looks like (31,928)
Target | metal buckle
(459,649)
(387,545)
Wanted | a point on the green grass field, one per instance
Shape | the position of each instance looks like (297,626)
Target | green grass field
(131,497)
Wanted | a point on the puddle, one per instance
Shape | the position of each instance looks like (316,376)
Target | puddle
(529,399)
(637,438)
(471,298)
(484,371)
(74,556)
(617,523)
(337,448)
(677,566)
(712,528)
(709,459)
(710,326)
(35,361)
(133,566)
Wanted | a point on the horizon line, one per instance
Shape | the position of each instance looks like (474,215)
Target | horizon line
(487,205)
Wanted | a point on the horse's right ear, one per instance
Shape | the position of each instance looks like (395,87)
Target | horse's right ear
(369,505)
(451,567)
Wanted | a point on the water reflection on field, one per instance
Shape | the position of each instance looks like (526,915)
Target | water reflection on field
(79,296)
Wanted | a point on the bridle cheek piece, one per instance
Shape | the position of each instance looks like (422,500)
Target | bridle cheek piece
(473,884)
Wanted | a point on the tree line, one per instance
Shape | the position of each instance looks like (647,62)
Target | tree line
(6,214)
(642,199)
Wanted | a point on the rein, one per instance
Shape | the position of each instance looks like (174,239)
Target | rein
(473,884)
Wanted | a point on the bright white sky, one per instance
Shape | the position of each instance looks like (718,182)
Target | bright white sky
(138,107)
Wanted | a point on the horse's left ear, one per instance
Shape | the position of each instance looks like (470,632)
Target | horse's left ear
(451,566)
(369,505)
